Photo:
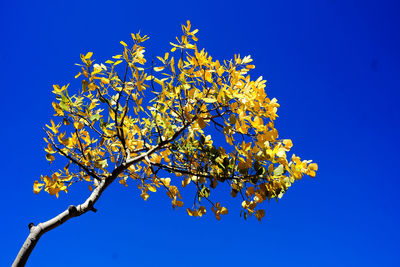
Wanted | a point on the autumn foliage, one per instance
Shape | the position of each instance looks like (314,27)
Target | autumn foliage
(187,122)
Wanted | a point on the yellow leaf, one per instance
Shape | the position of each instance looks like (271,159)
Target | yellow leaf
(57,109)
(78,125)
(190,212)
(57,89)
(161,59)
(160,82)
(50,157)
(159,68)
(202,210)
(152,188)
(63,188)
(188,25)
(88,55)
(313,166)
(53,127)
(87,178)
(224,211)
(105,80)
(145,196)
(172,64)
(49,149)
(123,182)
(180,64)
(229,139)
(175,45)
(123,43)
(209,100)
(186,181)
(101,163)
(165,181)
(157,158)
(258,121)
(288,143)
(37,187)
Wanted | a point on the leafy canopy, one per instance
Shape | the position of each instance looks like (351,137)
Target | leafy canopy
(141,122)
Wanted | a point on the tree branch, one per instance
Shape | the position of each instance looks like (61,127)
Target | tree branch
(72,211)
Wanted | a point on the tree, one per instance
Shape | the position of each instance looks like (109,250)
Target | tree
(151,121)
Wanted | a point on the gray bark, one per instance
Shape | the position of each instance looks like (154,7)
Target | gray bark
(73,211)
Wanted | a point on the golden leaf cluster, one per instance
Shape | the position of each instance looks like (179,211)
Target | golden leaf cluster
(202,121)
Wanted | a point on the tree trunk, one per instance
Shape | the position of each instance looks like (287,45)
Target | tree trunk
(73,211)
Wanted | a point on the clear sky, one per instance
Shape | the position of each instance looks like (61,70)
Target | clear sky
(334,67)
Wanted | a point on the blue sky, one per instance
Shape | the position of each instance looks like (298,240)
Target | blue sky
(334,68)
